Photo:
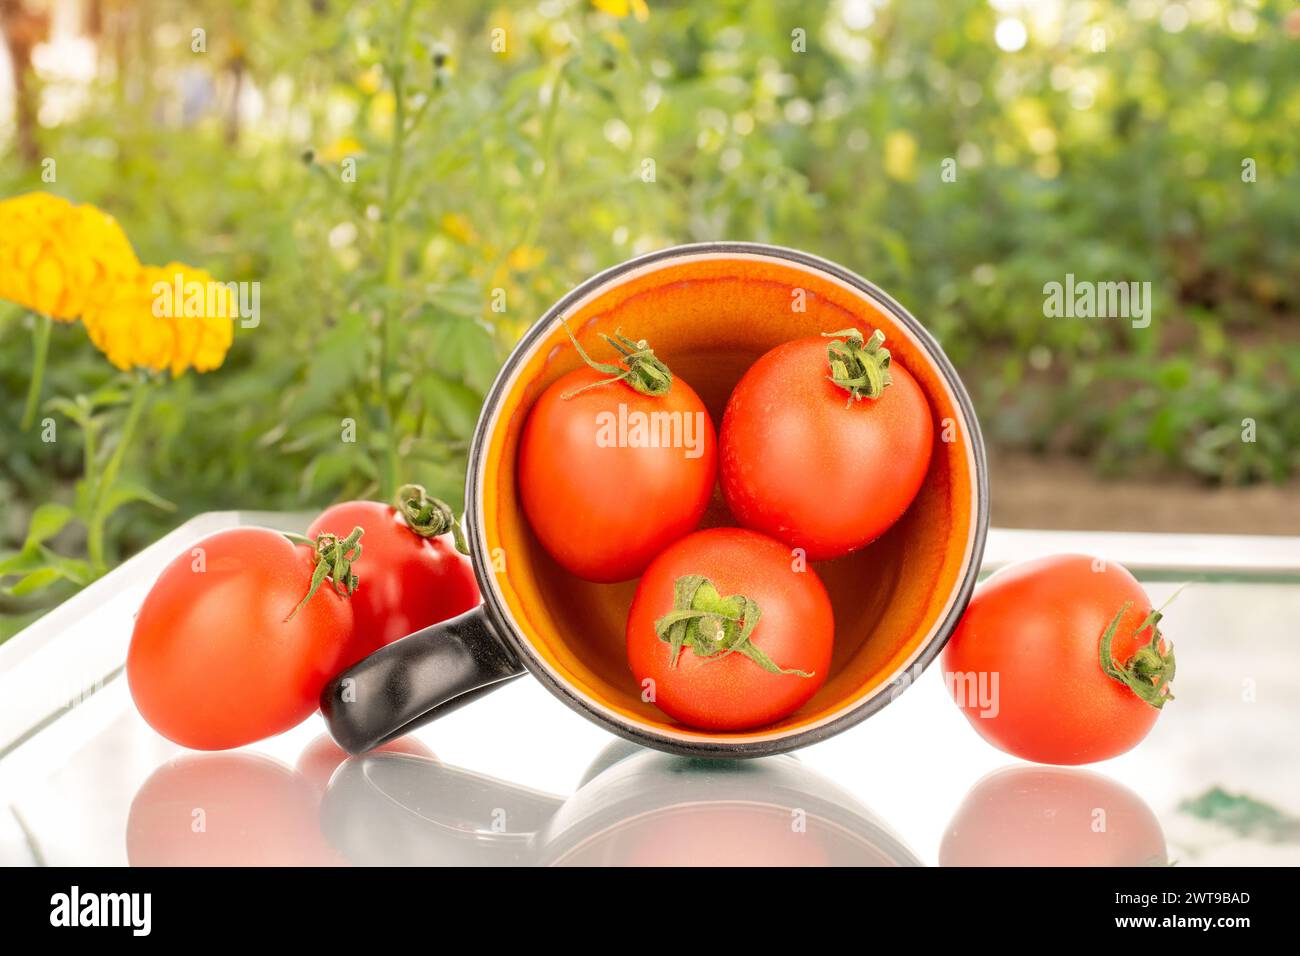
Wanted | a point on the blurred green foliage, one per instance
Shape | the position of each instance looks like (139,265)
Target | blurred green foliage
(1110,146)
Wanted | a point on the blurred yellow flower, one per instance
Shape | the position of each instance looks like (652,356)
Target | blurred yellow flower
(615,38)
(621,8)
(170,317)
(502,38)
(900,155)
(458,226)
(341,149)
(56,258)
(524,258)
(371,80)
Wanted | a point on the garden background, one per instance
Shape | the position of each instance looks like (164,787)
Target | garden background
(959,154)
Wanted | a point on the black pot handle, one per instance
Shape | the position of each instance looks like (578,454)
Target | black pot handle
(415,680)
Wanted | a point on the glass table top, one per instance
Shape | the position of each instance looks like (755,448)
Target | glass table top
(518,778)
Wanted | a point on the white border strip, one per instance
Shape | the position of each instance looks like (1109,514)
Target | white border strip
(1148,551)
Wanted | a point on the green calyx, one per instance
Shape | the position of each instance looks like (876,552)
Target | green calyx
(1149,672)
(637,365)
(334,557)
(713,626)
(859,367)
(427,516)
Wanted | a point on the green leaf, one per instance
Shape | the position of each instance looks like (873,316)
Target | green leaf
(107,396)
(464,349)
(40,567)
(124,493)
(47,521)
(461,298)
(70,409)
(331,470)
(36,581)
(338,362)
(74,569)
(22,562)
(453,404)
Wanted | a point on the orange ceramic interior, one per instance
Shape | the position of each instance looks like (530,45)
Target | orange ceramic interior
(709,316)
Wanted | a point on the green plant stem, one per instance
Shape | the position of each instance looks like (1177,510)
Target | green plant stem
(392,249)
(546,150)
(41,351)
(89,434)
(102,485)
(548,154)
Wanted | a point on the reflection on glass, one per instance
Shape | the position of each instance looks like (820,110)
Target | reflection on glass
(320,758)
(634,807)
(226,809)
(1052,816)
(240,809)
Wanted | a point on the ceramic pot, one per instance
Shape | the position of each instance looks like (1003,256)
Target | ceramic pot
(709,310)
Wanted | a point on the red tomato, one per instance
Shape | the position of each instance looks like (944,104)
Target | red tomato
(410,582)
(1052,816)
(794,631)
(213,662)
(805,462)
(600,497)
(1025,663)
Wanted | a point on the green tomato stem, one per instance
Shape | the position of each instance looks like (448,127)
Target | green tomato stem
(637,366)
(427,516)
(859,367)
(1149,672)
(334,559)
(713,626)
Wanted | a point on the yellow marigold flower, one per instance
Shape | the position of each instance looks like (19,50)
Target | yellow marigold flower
(621,8)
(57,258)
(171,317)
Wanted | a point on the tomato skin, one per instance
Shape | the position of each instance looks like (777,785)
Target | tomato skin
(803,465)
(213,663)
(603,513)
(407,582)
(796,630)
(1038,625)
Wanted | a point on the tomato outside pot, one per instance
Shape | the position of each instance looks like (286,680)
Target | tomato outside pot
(710,310)
(413,578)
